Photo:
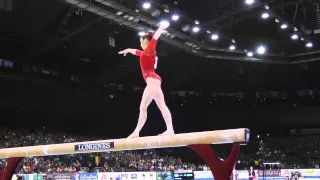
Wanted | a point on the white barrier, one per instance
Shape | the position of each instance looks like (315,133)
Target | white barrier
(29,177)
(128,176)
(304,172)
(101,176)
(307,174)
(313,174)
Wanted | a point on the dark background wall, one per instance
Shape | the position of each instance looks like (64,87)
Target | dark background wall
(113,113)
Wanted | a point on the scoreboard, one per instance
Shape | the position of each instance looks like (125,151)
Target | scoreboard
(183,175)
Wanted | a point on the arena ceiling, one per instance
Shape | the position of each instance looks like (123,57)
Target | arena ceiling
(235,22)
(73,36)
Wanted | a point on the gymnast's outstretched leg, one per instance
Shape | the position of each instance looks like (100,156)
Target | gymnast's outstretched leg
(147,97)
(159,99)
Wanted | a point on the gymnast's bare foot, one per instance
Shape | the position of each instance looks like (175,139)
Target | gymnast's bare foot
(134,135)
(167,133)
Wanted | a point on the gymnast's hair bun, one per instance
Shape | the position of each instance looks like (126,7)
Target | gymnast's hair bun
(150,34)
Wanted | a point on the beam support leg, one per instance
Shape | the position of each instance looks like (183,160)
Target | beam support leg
(221,170)
(12,164)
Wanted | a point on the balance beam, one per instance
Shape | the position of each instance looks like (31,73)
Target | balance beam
(177,140)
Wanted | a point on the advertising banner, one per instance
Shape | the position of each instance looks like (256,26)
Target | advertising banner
(62,176)
(203,175)
(183,175)
(307,173)
(207,175)
(28,176)
(85,176)
(164,175)
(127,176)
(94,146)
(269,173)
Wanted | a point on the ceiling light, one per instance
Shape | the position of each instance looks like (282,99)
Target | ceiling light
(309,44)
(276,20)
(175,17)
(284,26)
(208,31)
(164,23)
(196,22)
(266,7)
(249,2)
(142,33)
(146,5)
(265,15)
(196,29)
(294,37)
(232,40)
(232,47)
(215,37)
(295,29)
(261,50)
(250,54)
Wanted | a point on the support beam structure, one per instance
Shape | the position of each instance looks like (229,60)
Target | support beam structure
(180,40)
(178,140)
(232,12)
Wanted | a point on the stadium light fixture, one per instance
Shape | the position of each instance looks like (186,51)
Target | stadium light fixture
(196,29)
(146,5)
(175,17)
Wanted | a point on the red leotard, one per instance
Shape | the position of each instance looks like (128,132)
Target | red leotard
(148,60)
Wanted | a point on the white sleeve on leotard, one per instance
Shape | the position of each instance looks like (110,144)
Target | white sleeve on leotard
(156,63)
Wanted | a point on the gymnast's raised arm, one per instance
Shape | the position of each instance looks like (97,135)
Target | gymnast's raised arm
(158,33)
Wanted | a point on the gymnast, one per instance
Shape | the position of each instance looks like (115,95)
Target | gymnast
(153,91)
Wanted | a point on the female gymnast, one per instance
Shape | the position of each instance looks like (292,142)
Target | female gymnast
(153,91)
